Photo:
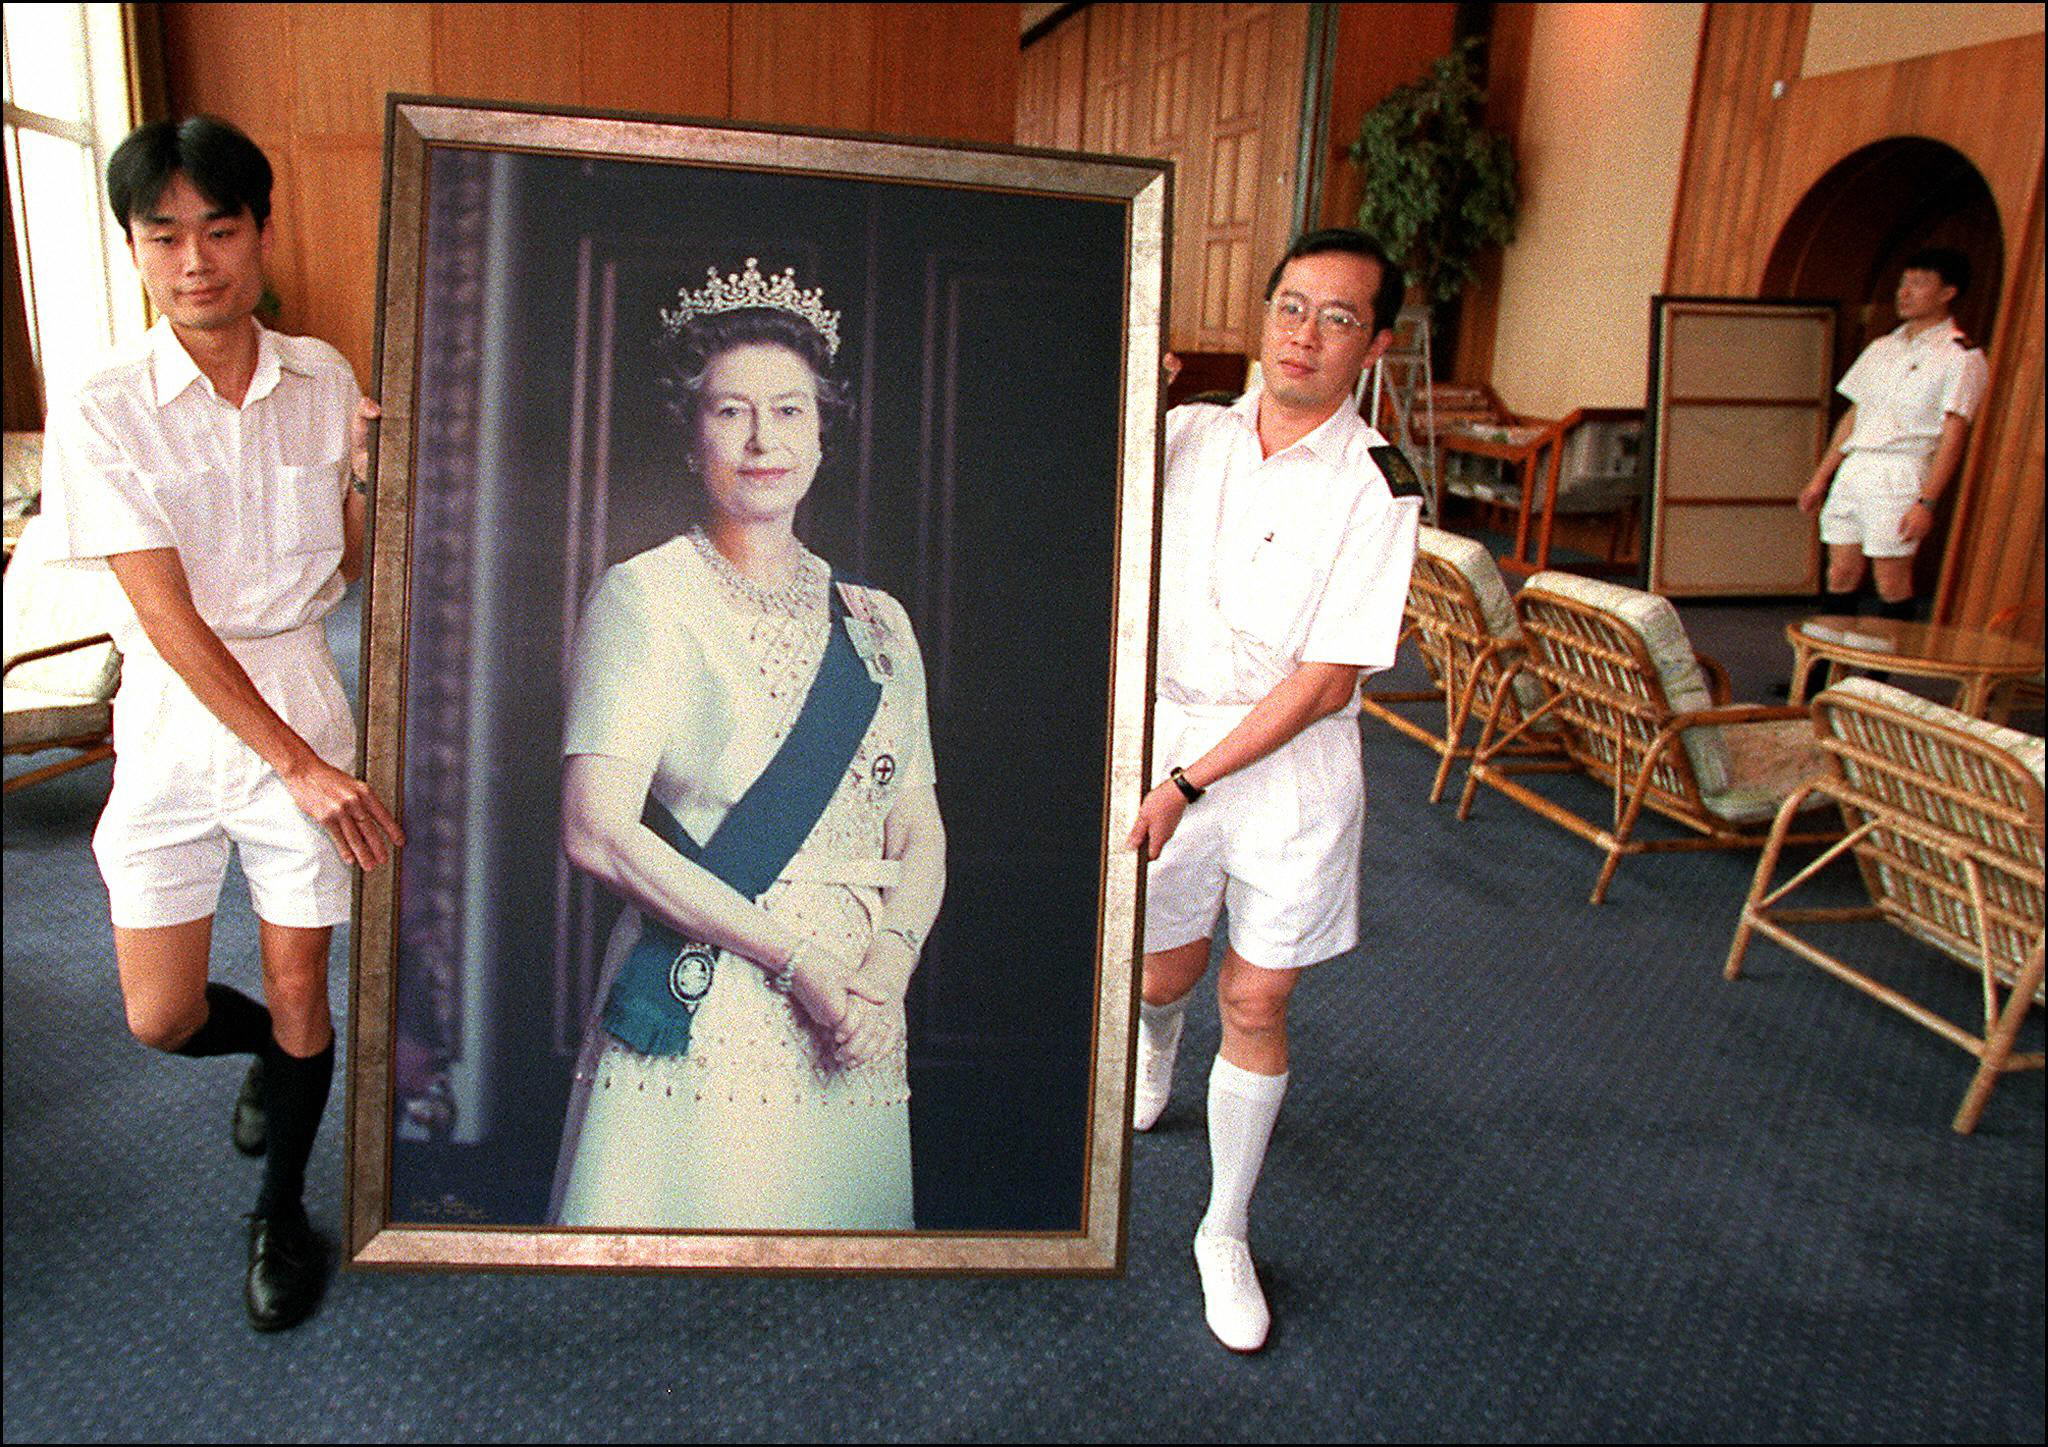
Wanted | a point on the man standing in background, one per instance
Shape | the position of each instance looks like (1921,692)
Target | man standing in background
(1912,395)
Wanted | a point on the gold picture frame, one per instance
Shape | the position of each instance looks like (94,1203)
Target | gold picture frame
(1004,315)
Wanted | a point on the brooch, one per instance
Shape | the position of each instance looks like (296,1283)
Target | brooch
(689,977)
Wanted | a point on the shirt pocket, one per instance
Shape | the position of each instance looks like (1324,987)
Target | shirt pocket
(305,508)
(1267,595)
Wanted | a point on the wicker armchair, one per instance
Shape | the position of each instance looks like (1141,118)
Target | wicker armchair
(1634,708)
(1945,821)
(1463,623)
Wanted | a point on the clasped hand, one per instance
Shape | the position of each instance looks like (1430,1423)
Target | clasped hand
(857,1012)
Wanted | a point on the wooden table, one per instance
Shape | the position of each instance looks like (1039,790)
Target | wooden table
(1519,445)
(1977,661)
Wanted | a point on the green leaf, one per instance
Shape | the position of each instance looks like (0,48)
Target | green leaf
(1439,187)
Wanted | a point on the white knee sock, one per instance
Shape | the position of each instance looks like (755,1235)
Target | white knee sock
(1159,1025)
(1242,1108)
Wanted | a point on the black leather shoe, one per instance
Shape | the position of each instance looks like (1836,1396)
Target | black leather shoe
(287,1269)
(250,1129)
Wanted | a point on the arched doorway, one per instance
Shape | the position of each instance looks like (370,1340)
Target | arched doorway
(1847,241)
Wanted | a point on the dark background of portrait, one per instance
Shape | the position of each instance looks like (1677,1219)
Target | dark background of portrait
(976,481)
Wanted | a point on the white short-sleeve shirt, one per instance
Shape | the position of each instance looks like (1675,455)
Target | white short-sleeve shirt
(1267,563)
(145,454)
(1903,385)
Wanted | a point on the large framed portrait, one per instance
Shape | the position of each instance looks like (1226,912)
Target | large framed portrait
(757,643)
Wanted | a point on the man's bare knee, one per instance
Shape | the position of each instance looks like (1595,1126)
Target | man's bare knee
(165,1024)
(1252,1011)
(1170,974)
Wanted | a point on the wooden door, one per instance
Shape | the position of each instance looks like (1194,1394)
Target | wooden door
(1739,412)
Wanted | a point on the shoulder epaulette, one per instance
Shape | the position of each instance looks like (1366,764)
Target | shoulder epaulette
(1395,467)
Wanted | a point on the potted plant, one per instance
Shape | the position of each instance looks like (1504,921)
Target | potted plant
(1439,186)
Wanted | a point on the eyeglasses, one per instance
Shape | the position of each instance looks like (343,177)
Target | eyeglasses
(1289,312)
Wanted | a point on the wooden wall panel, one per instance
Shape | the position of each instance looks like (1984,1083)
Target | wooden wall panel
(1180,87)
(530,53)
(804,65)
(1750,159)
(1118,36)
(926,73)
(1052,99)
(1997,564)
(1986,101)
(362,52)
(1732,147)
(1379,48)
(666,59)
(235,61)
(1216,89)
(308,82)
(331,176)
(1254,134)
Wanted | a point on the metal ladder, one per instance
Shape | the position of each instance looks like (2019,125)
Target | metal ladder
(1401,378)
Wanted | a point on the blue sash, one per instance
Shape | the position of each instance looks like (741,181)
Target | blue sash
(662,981)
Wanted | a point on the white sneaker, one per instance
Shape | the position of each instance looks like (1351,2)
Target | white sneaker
(1231,1298)
(1155,1073)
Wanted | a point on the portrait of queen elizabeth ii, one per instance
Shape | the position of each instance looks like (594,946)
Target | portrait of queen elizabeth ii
(763,604)
(748,764)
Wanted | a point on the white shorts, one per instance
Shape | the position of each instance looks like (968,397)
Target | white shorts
(1869,498)
(1276,843)
(185,789)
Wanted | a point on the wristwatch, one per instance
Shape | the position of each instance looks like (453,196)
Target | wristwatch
(1188,788)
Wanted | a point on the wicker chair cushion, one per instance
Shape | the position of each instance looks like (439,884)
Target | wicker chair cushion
(1766,761)
(47,604)
(1652,619)
(37,720)
(1476,565)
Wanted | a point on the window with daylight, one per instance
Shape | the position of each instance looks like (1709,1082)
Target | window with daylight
(66,107)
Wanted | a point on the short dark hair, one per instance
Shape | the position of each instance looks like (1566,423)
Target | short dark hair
(1945,262)
(1386,302)
(686,355)
(227,167)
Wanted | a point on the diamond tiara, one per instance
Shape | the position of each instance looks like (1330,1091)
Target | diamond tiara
(738,290)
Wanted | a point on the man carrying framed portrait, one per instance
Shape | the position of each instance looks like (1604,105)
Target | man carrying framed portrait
(209,468)
(1284,561)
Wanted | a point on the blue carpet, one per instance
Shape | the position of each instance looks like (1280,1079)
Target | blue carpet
(1542,1174)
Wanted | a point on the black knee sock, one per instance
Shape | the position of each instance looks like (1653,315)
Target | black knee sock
(1842,604)
(294,1098)
(235,1025)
